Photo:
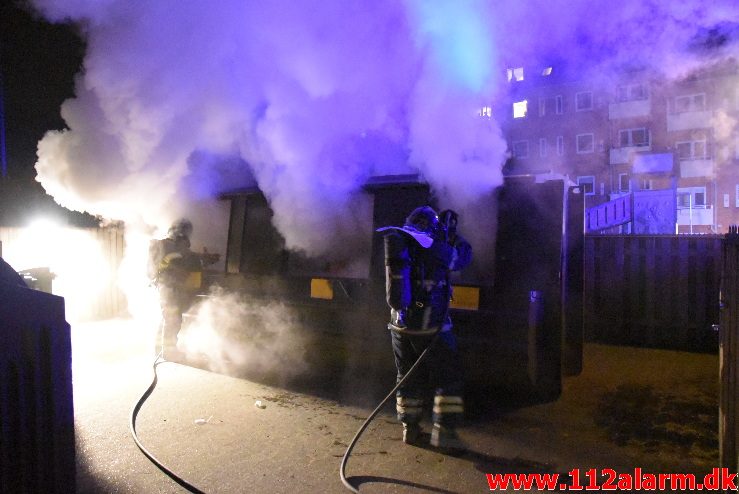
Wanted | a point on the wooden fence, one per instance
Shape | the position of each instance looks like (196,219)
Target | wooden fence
(653,290)
(729,354)
(83,262)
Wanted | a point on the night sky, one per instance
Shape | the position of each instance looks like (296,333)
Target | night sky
(38,62)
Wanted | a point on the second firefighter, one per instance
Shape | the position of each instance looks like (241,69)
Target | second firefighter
(419,257)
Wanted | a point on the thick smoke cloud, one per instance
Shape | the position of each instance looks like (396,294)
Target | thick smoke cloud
(180,100)
(306,100)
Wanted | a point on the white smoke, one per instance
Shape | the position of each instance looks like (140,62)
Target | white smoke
(306,99)
(180,100)
(236,335)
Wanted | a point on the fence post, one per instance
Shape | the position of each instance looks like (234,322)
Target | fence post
(729,351)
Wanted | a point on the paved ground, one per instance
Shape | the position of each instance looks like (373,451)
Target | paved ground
(630,408)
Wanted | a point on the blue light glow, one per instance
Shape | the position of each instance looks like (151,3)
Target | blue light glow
(459,38)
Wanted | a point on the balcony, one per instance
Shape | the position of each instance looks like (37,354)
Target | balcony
(619,156)
(696,168)
(689,120)
(630,109)
(697,216)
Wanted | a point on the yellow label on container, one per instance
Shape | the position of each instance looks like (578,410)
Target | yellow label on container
(194,280)
(321,288)
(465,297)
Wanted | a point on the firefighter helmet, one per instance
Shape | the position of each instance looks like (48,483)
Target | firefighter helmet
(423,220)
(422,224)
(180,228)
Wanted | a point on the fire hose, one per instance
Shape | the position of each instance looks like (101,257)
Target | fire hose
(134,413)
(345,459)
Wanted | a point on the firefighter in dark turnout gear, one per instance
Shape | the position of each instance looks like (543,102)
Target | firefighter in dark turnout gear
(418,258)
(171,267)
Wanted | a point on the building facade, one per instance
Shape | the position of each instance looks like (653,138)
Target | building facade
(620,136)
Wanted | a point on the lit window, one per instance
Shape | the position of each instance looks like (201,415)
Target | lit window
(584,143)
(736,199)
(584,101)
(485,111)
(587,184)
(515,74)
(547,71)
(520,109)
(542,147)
(521,149)
(560,145)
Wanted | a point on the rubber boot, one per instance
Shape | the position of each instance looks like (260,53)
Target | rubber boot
(411,433)
(446,438)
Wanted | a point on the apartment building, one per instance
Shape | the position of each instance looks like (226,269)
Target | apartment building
(623,135)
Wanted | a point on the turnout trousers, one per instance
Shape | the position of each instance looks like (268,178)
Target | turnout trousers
(441,371)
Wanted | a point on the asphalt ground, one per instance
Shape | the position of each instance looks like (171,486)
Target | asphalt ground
(630,408)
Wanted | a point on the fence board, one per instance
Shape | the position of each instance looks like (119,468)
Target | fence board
(652,290)
(24,249)
(729,354)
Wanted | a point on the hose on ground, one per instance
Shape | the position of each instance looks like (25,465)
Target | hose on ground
(134,413)
(345,459)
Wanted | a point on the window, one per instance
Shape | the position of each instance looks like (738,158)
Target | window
(587,184)
(515,74)
(633,137)
(584,101)
(624,182)
(690,102)
(736,198)
(700,198)
(632,92)
(520,109)
(736,148)
(550,105)
(547,71)
(542,147)
(521,149)
(485,111)
(584,143)
(647,184)
(560,145)
(691,150)
(691,197)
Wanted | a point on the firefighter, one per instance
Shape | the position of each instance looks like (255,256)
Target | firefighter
(170,267)
(419,258)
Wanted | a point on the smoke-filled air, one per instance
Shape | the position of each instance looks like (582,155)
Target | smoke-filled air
(179,101)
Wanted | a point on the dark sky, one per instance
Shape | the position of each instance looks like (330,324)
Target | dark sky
(38,62)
